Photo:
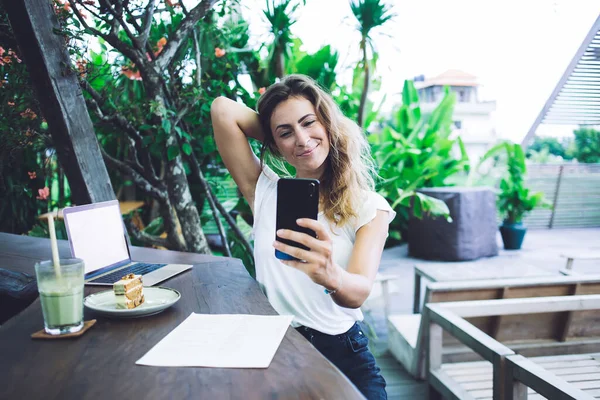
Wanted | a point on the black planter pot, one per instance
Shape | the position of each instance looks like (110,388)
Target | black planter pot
(512,235)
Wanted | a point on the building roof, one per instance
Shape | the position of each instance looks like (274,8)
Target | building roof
(452,77)
(576,98)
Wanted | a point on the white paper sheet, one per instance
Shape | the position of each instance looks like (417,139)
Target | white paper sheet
(220,340)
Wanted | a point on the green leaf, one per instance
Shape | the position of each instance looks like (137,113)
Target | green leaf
(166,125)
(172,152)
(187,149)
(417,207)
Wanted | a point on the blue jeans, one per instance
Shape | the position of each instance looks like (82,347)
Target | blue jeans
(349,352)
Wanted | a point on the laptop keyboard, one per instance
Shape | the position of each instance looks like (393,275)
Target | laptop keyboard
(137,269)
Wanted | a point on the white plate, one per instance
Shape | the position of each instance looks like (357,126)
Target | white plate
(156,299)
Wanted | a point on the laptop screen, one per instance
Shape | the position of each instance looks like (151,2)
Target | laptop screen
(96,234)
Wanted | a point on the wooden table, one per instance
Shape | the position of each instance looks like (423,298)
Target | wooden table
(466,271)
(101,363)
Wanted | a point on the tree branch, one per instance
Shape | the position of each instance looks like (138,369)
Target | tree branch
(195,36)
(112,38)
(215,203)
(144,237)
(140,181)
(186,26)
(120,121)
(147,22)
(118,15)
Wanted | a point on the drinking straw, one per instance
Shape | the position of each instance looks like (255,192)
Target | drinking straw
(54,245)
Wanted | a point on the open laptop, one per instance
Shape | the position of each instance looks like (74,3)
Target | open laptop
(97,236)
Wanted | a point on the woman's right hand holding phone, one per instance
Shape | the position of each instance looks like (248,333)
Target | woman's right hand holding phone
(317,262)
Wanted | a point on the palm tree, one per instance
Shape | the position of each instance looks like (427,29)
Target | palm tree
(280,14)
(370,14)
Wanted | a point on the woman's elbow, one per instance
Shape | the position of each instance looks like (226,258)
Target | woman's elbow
(218,106)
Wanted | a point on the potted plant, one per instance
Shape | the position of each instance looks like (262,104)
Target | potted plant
(515,200)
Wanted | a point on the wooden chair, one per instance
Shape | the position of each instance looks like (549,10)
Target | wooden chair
(408,332)
(568,369)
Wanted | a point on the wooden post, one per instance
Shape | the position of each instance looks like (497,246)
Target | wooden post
(558,182)
(434,356)
(499,378)
(61,100)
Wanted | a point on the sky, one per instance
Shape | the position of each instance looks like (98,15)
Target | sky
(518,49)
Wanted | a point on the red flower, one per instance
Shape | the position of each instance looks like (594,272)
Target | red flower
(32,175)
(12,53)
(29,114)
(43,193)
(131,74)
(11,103)
(2,51)
(219,52)
(262,91)
(81,67)
(160,44)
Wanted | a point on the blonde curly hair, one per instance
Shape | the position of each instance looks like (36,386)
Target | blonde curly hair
(349,171)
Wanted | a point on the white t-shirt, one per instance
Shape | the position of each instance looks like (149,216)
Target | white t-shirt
(290,291)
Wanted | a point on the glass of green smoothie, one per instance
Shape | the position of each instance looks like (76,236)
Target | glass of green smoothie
(61,294)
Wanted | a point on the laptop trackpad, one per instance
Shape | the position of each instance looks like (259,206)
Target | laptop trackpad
(164,273)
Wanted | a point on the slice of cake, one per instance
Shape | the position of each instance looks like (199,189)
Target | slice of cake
(129,292)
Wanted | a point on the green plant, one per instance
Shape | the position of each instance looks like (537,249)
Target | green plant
(280,15)
(550,146)
(320,66)
(586,148)
(370,15)
(515,200)
(348,98)
(414,152)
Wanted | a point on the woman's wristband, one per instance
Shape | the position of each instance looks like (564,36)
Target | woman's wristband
(339,286)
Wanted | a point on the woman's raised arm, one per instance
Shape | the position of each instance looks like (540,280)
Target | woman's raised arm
(233,123)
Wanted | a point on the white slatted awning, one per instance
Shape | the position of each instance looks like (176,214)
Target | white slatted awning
(576,98)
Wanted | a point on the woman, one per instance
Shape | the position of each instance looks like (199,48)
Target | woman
(300,123)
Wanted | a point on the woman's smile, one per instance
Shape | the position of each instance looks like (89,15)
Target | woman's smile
(308,152)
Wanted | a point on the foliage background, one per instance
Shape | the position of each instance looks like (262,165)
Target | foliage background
(411,150)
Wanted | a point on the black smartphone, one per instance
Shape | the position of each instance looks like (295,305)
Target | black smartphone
(296,198)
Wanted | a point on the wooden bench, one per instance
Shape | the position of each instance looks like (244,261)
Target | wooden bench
(407,332)
(504,374)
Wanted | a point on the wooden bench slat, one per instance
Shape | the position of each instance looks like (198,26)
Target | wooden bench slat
(472,378)
(469,371)
(575,371)
(447,387)
(567,364)
(592,392)
(466,365)
(587,385)
(543,359)
(580,377)
(488,393)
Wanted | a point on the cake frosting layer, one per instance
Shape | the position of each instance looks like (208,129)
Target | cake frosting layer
(124,303)
(126,283)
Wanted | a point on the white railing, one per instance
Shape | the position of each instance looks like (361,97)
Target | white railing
(573,190)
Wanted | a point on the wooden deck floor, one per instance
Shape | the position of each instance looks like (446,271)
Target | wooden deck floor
(400,385)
